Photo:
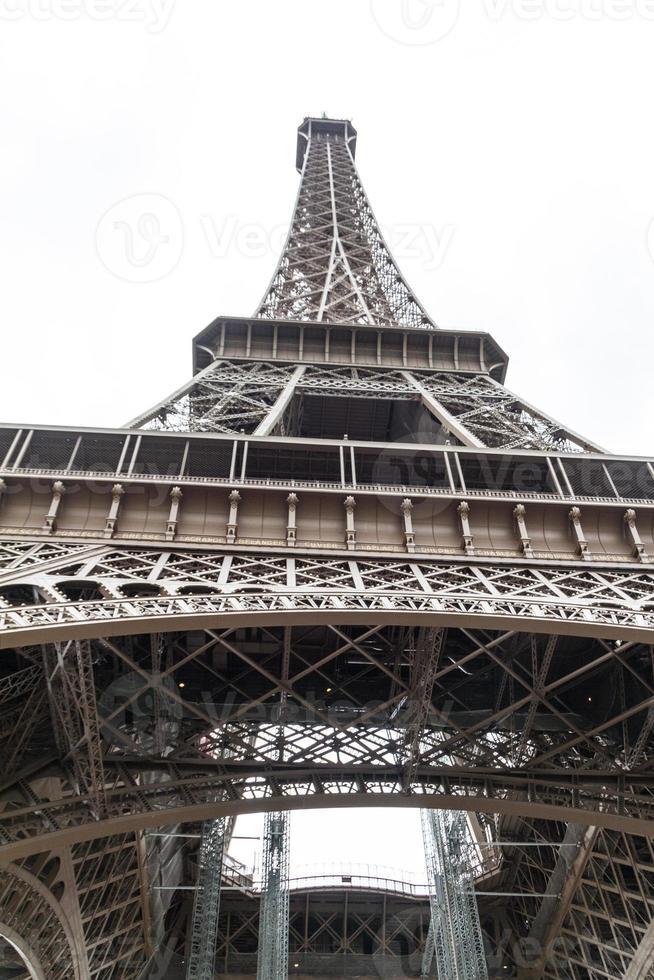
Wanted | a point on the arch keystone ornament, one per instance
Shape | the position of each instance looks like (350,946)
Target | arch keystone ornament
(342,565)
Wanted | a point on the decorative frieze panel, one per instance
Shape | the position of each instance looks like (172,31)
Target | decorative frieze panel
(361,520)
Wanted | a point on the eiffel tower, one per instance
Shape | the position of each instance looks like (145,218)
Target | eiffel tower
(342,566)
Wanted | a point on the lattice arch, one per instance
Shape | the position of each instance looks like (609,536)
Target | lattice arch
(34,923)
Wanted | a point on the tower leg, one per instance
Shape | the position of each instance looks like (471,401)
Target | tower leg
(455,934)
(273,925)
(207,902)
(428,955)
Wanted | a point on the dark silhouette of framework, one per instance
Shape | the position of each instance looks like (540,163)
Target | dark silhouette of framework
(342,562)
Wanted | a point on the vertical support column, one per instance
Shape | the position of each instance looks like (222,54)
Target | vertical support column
(520,514)
(173,515)
(206,904)
(424,657)
(429,952)
(50,522)
(291,528)
(272,963)
(350,530)
(463,510)
(409,535)
(71,690)
(117,494)
(638,548)
(232,521)
(578,531)
(456,929)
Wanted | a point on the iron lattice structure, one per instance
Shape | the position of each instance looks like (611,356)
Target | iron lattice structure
(335,266)
(343,564)
(273,925)
(206,905)
(455,941)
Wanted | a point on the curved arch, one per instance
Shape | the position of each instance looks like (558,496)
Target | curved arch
(198,590)
(199,812)
(21,593)
(81,589)
(41,933)
(24,950)
(140,590)
(124,617)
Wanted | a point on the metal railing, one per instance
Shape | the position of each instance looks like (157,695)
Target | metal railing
(358,876)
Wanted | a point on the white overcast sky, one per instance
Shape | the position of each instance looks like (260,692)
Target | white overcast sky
(507,148)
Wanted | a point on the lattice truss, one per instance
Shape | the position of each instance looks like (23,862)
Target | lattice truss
(560,720)
(28,909)
(206,904)
(79,910)
(477,713)
(545,740)
(336,266)
(328,930)
(455,940)
(272,963)
(607,930)
(229,397)
(496,417)
(238,396)
(134,583)
(587,904)
(110,891)
(243,397)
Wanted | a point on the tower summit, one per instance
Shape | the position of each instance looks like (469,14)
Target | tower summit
(336,267)
(316,128)
(342,564)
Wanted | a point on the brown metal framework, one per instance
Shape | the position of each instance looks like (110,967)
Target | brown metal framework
(343,565)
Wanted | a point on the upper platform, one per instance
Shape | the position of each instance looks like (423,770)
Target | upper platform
(312,125)
(358,344)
